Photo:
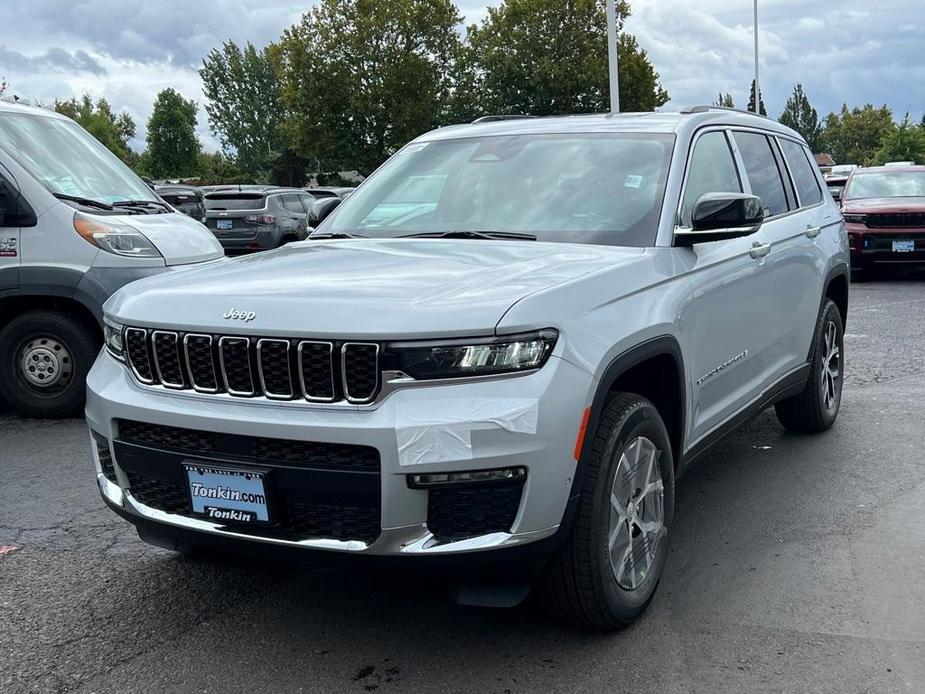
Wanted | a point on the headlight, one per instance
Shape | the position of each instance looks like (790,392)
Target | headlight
(856,218)
(112,336)
(474,357)
(114,237)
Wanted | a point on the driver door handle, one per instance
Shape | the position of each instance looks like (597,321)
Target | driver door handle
(759,250)
(813,232)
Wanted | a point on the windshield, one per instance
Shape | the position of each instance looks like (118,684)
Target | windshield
(886,184)
(67,160)
(587,188)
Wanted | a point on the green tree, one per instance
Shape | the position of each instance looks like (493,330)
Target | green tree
(906,142)
(362,77)
(243,104)
(543,58)
(800,115)
(214,168)
(173,147)
(98,119)
(751,101)
(853,136)
(724,100)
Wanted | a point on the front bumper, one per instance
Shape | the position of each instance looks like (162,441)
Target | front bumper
(873,246)
(557,393)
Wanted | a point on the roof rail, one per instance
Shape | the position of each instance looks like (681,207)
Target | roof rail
(506,116)
(706,108)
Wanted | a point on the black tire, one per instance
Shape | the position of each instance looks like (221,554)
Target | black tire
(581,587)
(289,238)
(811,412)
(76,341)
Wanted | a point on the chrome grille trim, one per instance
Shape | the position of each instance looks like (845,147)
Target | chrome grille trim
(174,338)
(131,363)
(222,341)
(343,372)
(308,396)
(189,366)
(263,385)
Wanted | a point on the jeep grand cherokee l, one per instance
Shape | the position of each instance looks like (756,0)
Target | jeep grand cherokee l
(505,377)
(884,208)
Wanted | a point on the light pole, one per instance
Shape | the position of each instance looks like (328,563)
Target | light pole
(612,56)
(757,84)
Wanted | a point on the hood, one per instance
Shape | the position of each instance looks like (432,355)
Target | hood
(356,289)
(179,238)
(871,205)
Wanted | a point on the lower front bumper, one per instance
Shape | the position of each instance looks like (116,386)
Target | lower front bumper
(403,531)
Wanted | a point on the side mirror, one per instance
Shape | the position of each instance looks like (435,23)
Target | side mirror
(836,194)
(721,216)
(321,209)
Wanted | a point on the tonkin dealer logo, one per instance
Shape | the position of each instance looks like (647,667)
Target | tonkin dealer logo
(235,314)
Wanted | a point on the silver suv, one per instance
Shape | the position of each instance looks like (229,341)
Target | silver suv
(497,355)
(248,219)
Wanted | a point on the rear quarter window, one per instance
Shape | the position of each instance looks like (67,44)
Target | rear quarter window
(761,169)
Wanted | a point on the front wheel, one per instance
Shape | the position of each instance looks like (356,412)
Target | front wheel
(44,360)
(608,570)
(816,408)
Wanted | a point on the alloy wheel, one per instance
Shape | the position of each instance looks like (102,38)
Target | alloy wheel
(637,513)
(831,367)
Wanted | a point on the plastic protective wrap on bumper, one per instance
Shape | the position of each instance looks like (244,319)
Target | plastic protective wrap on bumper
(529,421)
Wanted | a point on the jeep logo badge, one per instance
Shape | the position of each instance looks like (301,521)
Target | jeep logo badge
(235,314)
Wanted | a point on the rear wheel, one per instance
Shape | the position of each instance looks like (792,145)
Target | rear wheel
(44,360)
(608,570)
(816,408)
(288,238)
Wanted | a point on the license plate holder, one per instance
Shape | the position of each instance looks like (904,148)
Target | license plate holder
(224,224)
(228,495)
(904,246)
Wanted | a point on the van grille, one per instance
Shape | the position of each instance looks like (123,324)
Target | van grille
(275,368)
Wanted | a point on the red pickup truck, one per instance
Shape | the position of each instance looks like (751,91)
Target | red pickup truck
(884,209)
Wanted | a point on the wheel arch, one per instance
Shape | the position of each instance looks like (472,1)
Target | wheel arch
(16,305)
(836,289)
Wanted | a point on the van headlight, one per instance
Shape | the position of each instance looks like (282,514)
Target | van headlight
(472,357)
(114,237)
(112,336)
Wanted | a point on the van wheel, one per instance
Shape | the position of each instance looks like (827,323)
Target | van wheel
(816,408)
(44,359)
(607,572)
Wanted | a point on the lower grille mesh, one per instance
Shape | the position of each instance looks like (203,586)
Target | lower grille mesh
(455,513)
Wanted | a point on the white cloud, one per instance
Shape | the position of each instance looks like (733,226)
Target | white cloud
(127,50)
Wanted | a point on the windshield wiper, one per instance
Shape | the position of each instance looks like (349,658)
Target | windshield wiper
(336,235)
(462,234)
(142,204)
(88,202)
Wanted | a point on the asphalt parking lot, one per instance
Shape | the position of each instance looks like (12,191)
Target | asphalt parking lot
(797,565)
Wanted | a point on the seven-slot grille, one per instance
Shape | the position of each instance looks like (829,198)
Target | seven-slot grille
(896,220)
(275,368)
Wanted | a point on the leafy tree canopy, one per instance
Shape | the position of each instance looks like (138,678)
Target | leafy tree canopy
(853,136)
(800,115)
(543,58)
(173,147)
(906,142)
(242,92)
(113,130)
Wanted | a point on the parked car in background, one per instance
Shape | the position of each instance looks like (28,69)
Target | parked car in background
(884,209)
(493,359)
(247,219)
(186,199)
(331,191)
(842,170)
(75,225)
(836,186)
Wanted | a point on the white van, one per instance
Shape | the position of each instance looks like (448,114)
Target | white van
(75,225)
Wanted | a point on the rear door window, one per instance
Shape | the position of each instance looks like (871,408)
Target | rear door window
(804,177)
(761,169)
(712,170)
(293,204)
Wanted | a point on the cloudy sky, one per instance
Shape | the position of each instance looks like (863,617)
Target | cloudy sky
(851,51)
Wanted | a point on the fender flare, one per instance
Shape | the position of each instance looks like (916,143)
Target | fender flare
(619,365)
